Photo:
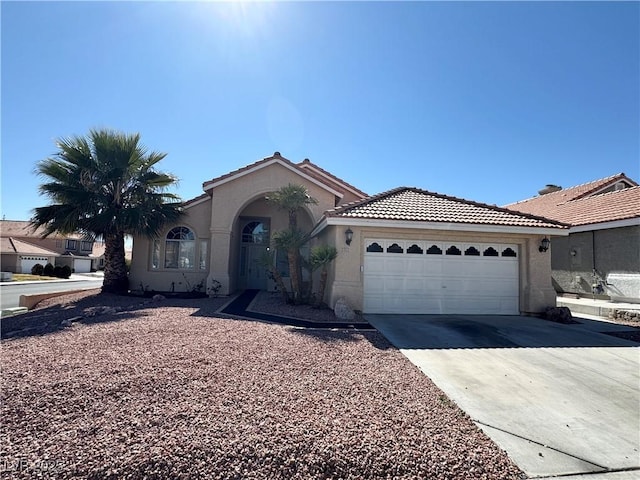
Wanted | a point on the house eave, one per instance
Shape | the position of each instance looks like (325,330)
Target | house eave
(449,226)
(197,202)
(628,222)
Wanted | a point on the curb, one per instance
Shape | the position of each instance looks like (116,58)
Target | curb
(30,301)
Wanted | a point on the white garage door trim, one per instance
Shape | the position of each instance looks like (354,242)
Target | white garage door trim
(28,261)
(436,277)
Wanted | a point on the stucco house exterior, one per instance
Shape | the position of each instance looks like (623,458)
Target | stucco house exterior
(410,250)
(601,254)
(22,246)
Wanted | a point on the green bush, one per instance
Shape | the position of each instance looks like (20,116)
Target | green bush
(57,271)
(48,270)
(66,271)
(37,269)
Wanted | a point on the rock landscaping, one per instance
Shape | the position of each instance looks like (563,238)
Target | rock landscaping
(172,390)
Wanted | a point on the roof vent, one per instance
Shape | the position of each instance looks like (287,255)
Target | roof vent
(620,186)
(549,188)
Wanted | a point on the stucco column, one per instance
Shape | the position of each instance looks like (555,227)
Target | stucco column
(538,289)
(219,258)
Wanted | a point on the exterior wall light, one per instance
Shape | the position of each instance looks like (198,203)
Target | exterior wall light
(544,245)
(348,234)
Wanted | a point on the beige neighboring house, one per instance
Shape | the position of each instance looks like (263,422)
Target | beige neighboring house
(22,247)
(601,255)
(406,250)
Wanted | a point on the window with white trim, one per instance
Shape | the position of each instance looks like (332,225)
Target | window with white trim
(204,246)
(155,255)
(180,249)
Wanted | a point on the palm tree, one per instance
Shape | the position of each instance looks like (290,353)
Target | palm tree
(268,261)
(290,241)
(292,198)
(104,185)
(321,256)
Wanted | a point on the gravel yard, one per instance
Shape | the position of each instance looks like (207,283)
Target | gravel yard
(172,390)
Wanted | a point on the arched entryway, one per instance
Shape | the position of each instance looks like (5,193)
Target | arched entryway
(253,230)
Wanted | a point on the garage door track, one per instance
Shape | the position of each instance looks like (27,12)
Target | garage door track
(559,399)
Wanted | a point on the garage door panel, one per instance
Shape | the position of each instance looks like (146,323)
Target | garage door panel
(375,285)
(394,285)
(477,283)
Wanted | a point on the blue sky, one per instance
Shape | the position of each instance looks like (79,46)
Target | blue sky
(485,101)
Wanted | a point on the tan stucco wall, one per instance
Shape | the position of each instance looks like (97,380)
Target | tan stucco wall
(218,220)
(536,290)
(231,199)
(197,219)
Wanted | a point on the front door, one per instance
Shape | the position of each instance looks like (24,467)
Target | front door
(254,245)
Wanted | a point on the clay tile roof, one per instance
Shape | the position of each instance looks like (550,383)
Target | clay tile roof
(186,203)
(13,245)
(584,204)
(17,228)
(413,204)
(306,163)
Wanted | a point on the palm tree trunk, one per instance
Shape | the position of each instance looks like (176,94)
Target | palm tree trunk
(278,279)
(115,267)
(292,253)
(322,287)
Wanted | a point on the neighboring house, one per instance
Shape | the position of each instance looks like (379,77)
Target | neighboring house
(23,247)
(601,255)
(403,251)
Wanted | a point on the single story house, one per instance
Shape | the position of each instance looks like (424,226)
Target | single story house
(601,254)
(403,251)
(22,246)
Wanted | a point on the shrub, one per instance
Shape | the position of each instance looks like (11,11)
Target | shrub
(37,269)
(57,271)
(66,271)
(48,270)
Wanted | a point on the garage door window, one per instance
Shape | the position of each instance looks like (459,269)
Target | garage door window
(395,248)
(434,250)
(374,248)
(415,249)
(490,252)
(508,252)
(473,251)
(453,250)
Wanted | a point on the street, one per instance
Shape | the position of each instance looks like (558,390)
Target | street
(10,292)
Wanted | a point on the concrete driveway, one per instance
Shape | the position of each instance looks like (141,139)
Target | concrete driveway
(559,399)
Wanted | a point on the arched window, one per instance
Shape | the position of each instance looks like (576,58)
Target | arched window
(255,232)
(180,249)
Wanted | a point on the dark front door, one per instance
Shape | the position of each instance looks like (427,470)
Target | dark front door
(254,245)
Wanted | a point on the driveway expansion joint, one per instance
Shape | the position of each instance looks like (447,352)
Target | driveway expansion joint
(602,467)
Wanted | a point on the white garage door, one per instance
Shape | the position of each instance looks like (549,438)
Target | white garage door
(422,277)
(81,265)
(27,262)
